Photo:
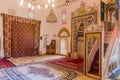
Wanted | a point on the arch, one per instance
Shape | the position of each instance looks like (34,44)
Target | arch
(83,10)
(110,7)
(62,30)
(110,18)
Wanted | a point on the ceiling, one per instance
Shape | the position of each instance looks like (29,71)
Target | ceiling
(58,3)
(12,3)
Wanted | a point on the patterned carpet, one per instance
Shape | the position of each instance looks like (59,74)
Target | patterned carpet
(37,71)
(6,63)
(75,64)
(115,75)
(34,59)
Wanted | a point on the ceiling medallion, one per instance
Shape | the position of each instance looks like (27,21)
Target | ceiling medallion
(11,11)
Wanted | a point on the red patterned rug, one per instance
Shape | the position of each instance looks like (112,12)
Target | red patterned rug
(6,63)
(75,64)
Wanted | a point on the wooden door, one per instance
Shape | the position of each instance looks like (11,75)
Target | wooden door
(22,39)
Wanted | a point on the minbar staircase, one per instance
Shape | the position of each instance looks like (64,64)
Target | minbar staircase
(110,43)
(107,40)
(95,64)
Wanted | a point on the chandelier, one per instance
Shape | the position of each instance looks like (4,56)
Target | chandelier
(36,4)
(51,18)
(33,4)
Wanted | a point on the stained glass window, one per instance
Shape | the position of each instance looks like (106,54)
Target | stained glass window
(31,13)
(64,13)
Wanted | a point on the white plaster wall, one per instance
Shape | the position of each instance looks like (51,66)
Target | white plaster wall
(20,11)
(46,28)
(52,29)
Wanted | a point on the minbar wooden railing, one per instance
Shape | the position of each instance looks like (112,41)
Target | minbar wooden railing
(109,52)
(92,52)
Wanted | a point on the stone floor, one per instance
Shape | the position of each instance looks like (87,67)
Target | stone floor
(25,60)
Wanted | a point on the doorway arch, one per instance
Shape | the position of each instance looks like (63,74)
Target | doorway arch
(110,16)
(63,35)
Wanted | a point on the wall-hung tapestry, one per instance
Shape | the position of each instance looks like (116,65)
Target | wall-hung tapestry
(21,36)
(64,13)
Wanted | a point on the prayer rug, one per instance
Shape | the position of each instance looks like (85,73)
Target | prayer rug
(37,71)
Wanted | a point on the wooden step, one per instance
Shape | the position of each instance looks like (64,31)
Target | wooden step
(109,32)
(107,40)
(108,36)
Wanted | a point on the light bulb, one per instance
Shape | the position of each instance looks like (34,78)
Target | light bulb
(46,6)
(49,1)
(53,5)
(33,7)
(29,5)
(38,6)
(21,4)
